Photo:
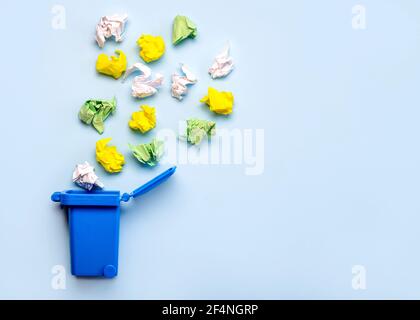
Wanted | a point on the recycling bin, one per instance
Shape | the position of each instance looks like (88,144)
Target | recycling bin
(94,221)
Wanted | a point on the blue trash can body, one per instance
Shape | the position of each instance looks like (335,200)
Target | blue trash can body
(94,222)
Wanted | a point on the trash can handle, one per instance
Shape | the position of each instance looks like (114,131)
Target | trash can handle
(149,185)
(56,197)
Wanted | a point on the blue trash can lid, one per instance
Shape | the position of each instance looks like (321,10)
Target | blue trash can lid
(107,198)
(149,185)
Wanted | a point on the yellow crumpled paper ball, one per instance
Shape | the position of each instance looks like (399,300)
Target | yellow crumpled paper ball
(109,157)
(152,48)
(113,66)
(143,120)
(219,101)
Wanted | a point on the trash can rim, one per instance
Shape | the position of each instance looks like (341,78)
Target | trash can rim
(87,198)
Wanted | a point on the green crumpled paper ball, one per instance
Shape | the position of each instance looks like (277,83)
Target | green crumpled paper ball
(148,153)
(197,129)
(182,29)
(95,112)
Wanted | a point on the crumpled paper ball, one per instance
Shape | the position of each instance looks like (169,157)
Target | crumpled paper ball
(113,66)
(108,156)
(143,120)
(152,48)
(220,102)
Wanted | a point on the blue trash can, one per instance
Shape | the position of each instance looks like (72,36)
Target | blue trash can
(94,221)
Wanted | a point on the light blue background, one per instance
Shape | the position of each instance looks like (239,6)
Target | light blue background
(340,110)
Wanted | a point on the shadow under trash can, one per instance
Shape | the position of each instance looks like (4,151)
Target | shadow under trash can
(94,220)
